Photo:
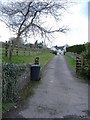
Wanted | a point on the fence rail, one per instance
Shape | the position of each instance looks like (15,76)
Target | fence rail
(21,50)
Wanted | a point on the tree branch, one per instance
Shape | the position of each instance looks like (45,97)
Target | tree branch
(63,29)
(19,31)
(25,16)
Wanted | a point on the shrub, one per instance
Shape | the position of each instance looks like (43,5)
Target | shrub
(54,52)
(86,56)
(76,48)
(9,75)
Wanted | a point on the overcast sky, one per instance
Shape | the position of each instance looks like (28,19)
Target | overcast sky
(76,20)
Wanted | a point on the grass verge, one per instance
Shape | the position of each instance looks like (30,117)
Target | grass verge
(6,106)
(71,61)
(28,90)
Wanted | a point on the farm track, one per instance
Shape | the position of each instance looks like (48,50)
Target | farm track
(60,94)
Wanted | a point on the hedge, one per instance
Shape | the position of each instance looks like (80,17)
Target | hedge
(76,48)
(9,74)
(86,56)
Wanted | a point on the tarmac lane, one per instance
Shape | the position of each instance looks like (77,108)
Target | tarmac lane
(59,95)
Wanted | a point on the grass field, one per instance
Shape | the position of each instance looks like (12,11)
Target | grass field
(44,58)
(71,61)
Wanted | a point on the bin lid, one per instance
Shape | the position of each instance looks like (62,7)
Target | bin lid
(35,65)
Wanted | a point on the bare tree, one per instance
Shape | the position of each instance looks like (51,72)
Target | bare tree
(25,17)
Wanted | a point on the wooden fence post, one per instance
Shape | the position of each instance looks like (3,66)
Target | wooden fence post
(6,49)
(29,50)
(16,50)
(24,51)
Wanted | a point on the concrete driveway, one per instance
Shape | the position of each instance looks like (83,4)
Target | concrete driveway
(59,95)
